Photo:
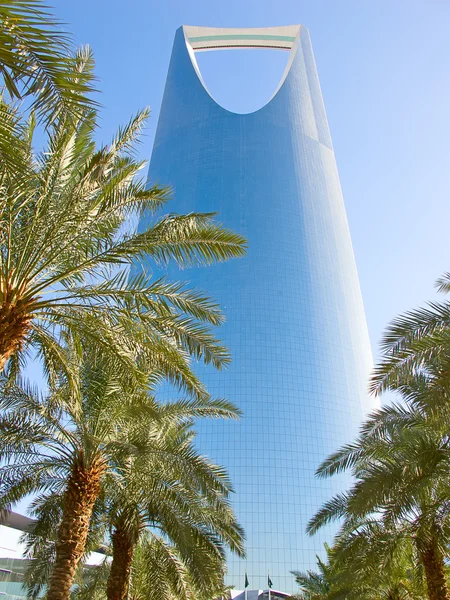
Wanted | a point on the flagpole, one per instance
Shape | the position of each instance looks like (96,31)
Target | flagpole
(245,593)
(268,579)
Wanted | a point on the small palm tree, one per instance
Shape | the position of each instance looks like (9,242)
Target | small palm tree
(316,585)
(181,495)
(65,249)
(158,571)
(401,465)
(365,563)
(69,446)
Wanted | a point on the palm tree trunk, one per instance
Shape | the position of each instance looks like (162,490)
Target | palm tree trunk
(119,575)
(15,321)
(83,488)
(434,566)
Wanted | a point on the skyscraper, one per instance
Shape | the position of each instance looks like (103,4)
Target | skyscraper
(295,320)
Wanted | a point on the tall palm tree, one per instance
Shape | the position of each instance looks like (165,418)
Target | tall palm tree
(65,249)
(69,446)
(401,464)
(36,60)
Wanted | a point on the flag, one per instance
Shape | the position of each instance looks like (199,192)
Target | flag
(269,581)
(246,580)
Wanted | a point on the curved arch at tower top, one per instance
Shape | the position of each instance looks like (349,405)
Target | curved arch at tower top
(205,39)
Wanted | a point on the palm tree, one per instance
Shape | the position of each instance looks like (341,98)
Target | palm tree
(159,572)
(366,562)
(401,464)
(188,506)
(36,60)
(69,446)
(173,499)
(65,249)
(316,585)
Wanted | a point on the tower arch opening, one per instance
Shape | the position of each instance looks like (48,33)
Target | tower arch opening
(240,88)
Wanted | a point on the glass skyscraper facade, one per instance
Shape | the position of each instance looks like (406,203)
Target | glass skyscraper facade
(295,320)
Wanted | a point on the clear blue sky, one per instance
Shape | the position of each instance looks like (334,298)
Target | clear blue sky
(384,69)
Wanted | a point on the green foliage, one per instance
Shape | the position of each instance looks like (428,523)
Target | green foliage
(65,250)
(37,61)
(366,563)
(154,477)
(317,585)
(43,436)
(396,516)
(412,341)
(158,572)
(373,562)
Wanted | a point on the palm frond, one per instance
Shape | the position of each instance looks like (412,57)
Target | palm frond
(35,61)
